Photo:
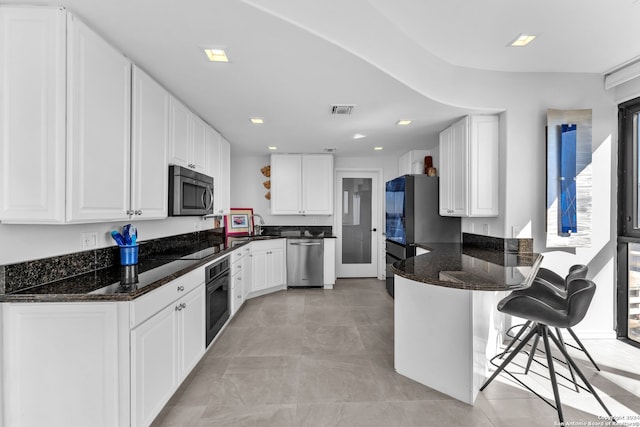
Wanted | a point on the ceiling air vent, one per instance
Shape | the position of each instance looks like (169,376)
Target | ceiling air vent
(342,109)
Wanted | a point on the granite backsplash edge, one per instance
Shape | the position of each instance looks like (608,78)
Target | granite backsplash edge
(24,275)
(511,245)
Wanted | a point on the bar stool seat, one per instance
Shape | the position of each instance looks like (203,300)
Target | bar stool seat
(558,313)
(550,287)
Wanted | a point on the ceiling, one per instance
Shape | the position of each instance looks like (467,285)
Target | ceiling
(291,76)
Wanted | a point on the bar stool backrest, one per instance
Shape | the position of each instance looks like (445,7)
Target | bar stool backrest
(579,295)
(577,271)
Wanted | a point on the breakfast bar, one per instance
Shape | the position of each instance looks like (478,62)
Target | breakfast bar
(447,326)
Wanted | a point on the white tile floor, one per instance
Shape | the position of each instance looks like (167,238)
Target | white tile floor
(309,357)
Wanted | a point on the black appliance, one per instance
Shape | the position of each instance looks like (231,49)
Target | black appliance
(190,192)
(217,297)
(412,216)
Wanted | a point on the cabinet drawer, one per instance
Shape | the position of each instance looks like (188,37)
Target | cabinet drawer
(148,305)
(238,254)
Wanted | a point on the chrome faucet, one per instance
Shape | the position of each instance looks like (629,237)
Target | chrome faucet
(257,228)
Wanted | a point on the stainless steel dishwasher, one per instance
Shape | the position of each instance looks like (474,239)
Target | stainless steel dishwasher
(305,262)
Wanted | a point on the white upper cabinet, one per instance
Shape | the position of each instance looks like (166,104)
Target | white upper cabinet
(217,156)
(149,147)
(179,130)
(83,138)
(187,141)
(98,127)
(469,167)
(301,184)
(32,114)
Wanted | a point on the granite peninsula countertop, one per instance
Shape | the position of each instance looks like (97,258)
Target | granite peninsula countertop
(453,265)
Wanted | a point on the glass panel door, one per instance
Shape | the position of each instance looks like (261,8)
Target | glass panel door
(358,195)
(628,292)
(356,220)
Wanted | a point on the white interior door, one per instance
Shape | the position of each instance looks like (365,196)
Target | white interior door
(357,223)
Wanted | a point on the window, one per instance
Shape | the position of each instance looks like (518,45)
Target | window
(628,295)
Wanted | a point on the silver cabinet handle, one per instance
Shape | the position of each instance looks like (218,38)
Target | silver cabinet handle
(138,212)
(305,243)
(180,288)
(130,212)
(183,305)
(178,308)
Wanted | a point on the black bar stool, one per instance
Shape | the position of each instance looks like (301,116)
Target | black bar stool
(554,313)
(549,285)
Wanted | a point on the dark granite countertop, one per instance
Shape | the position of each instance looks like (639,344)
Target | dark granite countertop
(453,265)
(110,283)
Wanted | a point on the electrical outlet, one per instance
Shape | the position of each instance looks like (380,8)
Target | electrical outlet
(89,240)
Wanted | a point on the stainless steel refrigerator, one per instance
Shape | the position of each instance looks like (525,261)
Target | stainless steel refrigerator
(412,216)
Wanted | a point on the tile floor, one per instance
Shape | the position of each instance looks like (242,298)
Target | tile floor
(309,357)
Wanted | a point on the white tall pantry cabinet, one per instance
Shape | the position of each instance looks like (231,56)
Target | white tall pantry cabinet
(470,168)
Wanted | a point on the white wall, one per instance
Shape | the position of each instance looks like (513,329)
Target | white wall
(20,243)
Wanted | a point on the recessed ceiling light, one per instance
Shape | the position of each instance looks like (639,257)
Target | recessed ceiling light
(272,147)
(257,120)
(404,122)
(522,40)
(378,148)
(359,136)
(216,54)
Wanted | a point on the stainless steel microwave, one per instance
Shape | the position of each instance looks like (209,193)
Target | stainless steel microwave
(190,192)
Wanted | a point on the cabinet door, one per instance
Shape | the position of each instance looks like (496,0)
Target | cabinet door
(218,156)
(198,144)
(484,166)
(179,133)
(98,127)
(453,173)
(223,187)
(446,173)
(286,184)
(62,365)
(459,166)
(149,146)
(32,115)
(317,184)
(212,156)
(247,275)
(277,266)
(153,365)
(259,262)
(191,329)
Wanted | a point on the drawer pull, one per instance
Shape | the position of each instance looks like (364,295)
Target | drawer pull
(181,288)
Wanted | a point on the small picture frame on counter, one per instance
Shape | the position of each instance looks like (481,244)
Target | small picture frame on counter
(239,221)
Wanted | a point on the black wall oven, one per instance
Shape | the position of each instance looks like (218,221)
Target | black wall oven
(217,298)
(190,192)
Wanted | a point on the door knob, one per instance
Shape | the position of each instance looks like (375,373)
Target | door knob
(375,229)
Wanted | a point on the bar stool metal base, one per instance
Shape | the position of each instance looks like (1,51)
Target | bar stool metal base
(540,330)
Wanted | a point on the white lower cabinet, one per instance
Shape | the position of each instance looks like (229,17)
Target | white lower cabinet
(64,364)
(154,354)
(164,349)
(100,363)
(241,261)
(268,264)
